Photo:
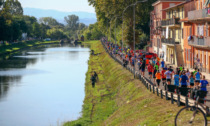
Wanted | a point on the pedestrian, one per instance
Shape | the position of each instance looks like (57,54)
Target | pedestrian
(204,83)
(168,74)
(184,79)
(158,78)
(96,76)
(176,79)
(93,79)
(197,78)
(192,80)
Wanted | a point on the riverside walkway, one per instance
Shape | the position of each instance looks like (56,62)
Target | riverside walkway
(149,84)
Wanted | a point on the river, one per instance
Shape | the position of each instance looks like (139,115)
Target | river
(43,87)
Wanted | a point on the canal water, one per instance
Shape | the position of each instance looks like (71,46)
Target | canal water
(43,87)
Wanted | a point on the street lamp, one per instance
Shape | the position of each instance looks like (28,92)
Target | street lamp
(134,26)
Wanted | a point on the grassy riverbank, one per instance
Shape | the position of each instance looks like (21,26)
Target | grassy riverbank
(10,48)
(118,99)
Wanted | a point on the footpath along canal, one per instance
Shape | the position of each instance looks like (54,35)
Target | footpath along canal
(43,87)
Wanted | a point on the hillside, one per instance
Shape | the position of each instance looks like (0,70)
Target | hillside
(85,17)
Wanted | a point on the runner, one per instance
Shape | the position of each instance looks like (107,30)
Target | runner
(162,63)
(203,84)
(154,73)
(197,78)
(150,69)
(192,80)
(143,65)
(168,74)
(163,76)
(176,79)
(184,79)
(158,78)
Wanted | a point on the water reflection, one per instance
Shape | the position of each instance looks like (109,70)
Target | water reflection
(41,87)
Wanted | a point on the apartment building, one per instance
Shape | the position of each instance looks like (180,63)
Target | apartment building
(199,40)
(157,15)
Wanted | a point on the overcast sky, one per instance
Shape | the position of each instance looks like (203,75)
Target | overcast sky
(61,5)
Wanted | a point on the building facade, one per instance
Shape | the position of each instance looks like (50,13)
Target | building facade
(157,15)
(199,40)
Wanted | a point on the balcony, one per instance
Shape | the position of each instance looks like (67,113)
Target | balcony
(200,42)
(171,22)
(169,41)
(198,14)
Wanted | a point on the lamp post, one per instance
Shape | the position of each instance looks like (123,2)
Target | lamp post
(134,26)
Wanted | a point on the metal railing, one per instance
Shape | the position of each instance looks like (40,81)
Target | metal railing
(196,41)
(169,41)
(173,21)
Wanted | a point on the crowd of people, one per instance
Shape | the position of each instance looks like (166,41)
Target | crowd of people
(157,69)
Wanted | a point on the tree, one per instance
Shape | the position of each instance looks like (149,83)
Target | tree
(107,9)
(50,22)
(13,7)
(56,34)
(36,30)
(72,22)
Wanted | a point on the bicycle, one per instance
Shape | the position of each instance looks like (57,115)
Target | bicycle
(193,115)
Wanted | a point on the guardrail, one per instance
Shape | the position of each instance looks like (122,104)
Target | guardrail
(174,97)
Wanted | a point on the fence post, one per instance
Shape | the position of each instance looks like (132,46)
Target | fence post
(147,86)
(157,91)
(150,88)
(153,89)
(161,93)
(178,99)
(172,98)
(166,95)
(186,101)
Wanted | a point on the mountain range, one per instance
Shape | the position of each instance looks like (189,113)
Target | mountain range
(84,17)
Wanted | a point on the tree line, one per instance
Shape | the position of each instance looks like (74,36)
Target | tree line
(106,10)
(14,24)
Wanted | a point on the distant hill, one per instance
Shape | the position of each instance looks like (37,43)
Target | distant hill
(85,17)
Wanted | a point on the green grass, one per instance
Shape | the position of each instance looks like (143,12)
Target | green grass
(10,48)
(118,99)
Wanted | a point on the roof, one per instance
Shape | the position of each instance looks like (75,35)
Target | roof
(158,1)
(176,5)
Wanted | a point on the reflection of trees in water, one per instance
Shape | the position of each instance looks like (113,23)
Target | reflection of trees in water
(16,62)
(5,83)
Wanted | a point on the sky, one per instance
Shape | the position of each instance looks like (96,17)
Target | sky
(60,5)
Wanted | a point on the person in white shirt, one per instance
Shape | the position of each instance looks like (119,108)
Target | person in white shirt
(168,75)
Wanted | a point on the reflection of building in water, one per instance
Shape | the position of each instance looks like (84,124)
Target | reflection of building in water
(5,83)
